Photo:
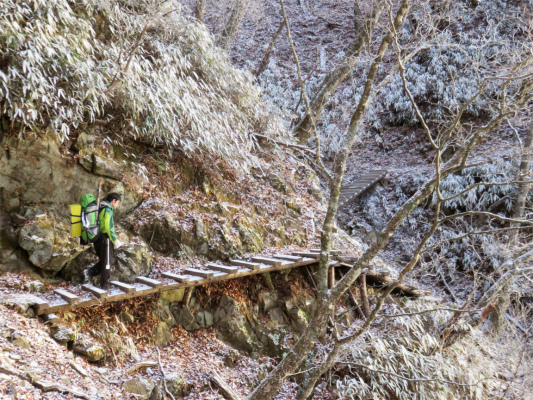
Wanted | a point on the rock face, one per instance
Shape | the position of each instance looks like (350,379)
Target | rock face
(269,327)
(34,171)
(37,179)
(234,327)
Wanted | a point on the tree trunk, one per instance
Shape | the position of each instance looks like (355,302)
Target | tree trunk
(363,27)
(232,26)
(269,387)
(266,57)
(199,10)
(364,295)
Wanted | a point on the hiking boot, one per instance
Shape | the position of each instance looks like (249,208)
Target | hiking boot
(105,286)
(87,277)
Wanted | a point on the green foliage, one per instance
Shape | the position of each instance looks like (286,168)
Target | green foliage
(58,58)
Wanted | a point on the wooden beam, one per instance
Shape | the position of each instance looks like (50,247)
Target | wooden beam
(70,298)
(267,261)
(41,306)
(124,287)
(97,292)
(287,258)
(63,305)
(51,319)
(245,264)
(198,272)
(149,282)
(331,252)
(222,268)
(175,277)
(306,254)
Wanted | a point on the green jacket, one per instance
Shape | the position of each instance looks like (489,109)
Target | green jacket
(107,222)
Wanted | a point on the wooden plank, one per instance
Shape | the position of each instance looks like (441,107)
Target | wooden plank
(97,292)
(267,261)
(175,277)
(287,257)
(124,287)
(331,252)
(41,306)
(306,254)
(70,298)
(51,319)
(222,268)
(245,264)
(198,272)
(149,282)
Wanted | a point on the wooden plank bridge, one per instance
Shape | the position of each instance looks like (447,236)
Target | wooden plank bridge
(170,281)
(365,182)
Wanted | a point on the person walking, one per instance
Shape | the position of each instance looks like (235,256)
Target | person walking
(105,244)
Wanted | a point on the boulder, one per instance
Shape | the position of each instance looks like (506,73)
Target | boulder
(267,300)
(11,255)
(204,318)
(18,338)
(37,286)
(90,351)
(107,167)
(84,144)
(176,384)
(277,317)
(49,244)
(132,259)
(232,324)
(173,295)
(184,316)
(162,334)
(141,387)
(63,335)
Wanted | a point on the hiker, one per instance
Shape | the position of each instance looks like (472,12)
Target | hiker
(106,242)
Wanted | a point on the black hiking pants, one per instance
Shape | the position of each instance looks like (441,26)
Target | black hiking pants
(105,251)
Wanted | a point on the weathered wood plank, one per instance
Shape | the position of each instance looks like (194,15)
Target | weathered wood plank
(306,254)
(287,257)
(198,272)
(267,261)
(124,287)
(97,292)
(245,264)
(51,319)
(148,281)
(41,306)
(332,252)
(222,268)
(70,298)
(175,277)
(62,305)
